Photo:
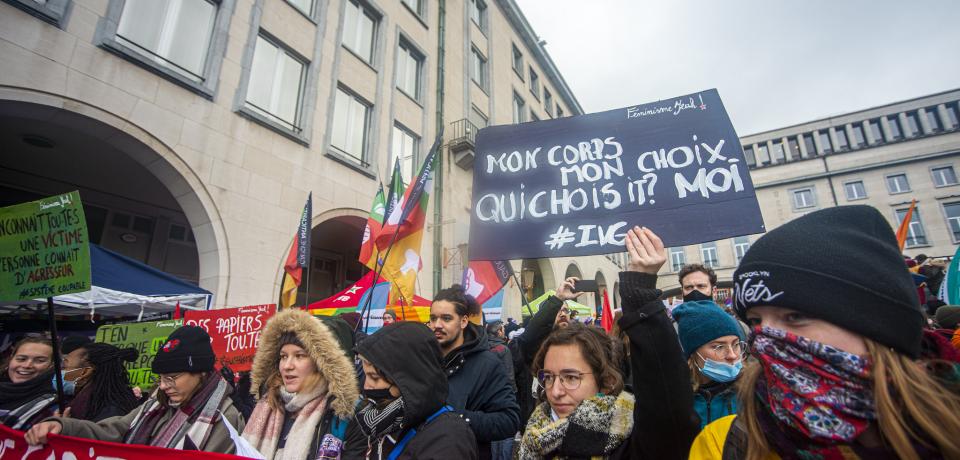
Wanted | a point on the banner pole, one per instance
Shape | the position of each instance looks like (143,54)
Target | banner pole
(57,365)
(368,304)
(523,296)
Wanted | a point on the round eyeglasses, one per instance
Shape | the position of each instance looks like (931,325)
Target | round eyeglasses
(569,380)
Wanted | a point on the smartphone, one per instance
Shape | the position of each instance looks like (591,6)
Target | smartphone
(585,286)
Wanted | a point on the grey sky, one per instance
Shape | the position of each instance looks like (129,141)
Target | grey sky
(775,63)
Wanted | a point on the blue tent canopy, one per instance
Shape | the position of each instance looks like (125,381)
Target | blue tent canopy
(126,287)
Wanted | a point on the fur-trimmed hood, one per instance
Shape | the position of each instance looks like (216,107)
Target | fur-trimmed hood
(321,344)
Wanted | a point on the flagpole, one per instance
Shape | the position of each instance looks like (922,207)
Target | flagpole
(522,296)
(380,265)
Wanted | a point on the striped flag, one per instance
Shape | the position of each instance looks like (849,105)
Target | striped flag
(298,258)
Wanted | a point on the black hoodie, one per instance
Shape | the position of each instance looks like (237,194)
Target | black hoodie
(407,354)
(481,390)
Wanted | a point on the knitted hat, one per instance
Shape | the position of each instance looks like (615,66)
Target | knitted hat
(700,322)
(948,316)
(187,349)
(73,342)
(841,265)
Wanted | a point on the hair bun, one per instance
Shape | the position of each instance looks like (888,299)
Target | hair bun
(129,354)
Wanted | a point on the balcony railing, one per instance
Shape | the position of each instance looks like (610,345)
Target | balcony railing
(463,142)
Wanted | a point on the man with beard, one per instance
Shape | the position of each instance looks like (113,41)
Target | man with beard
(479,388)
(553,313)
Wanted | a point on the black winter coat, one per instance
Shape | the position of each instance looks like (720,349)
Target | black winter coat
(408,355)
(480,389)
(665,423)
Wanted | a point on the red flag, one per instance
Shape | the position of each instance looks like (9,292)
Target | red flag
(606,316)
(484,278)
(176,311)
(904,229)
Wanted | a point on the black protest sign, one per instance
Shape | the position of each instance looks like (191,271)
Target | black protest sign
(574,186)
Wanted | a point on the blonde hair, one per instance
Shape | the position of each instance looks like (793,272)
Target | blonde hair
(913,406)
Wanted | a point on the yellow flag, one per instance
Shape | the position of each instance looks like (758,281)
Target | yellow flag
(403,264)
(288,294)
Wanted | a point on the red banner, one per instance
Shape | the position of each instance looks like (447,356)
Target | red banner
(14,447)
(234,332)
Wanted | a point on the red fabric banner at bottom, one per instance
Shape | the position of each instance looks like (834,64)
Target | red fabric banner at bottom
(14,447)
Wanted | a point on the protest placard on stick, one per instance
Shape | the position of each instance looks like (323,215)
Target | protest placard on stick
(146,337)
(574,186)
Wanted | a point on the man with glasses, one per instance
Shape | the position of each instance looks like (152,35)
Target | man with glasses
(713,344)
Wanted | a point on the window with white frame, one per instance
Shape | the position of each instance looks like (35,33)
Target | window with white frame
(855,190)
(415,5)
(944,176)
(803,198)
(916,236)
(360,30)
(952,213)
(409,67)
(518,61)
(175,34)
(740,246)
(276,83)
(678,258)
(534,84)
(478,68)
(547,101)
(708,254)
(405,145)
(350,124)
(305,6)
(478,13)
(518,109)
(897,183)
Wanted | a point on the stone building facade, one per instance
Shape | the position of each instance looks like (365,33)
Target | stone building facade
(195,129)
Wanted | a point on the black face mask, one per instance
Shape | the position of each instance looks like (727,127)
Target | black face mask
(379,395)
(696,295)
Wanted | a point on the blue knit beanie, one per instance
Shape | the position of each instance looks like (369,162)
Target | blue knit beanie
(702,321)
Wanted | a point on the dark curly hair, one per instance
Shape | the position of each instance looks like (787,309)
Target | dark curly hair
(464,303)
(688,269)
(603,353)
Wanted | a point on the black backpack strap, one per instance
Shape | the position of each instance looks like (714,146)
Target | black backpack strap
(735,446)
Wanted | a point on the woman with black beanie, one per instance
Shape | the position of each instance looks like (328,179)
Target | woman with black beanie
(844,367)
(102,383)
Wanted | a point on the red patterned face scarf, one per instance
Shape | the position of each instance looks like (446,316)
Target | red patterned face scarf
(823,393)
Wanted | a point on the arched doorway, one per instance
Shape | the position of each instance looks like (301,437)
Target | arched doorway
(572,270)
(601,289)
(537,277)
(335,248)
(140,198)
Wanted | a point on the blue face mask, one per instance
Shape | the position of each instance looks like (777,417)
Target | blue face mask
(69,386)
(720,371)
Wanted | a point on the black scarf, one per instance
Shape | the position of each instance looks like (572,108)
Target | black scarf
(14,395)
(375,422)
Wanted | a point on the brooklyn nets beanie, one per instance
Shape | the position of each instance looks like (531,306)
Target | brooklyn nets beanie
(841,265)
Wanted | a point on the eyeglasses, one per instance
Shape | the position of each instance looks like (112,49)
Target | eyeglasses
(169,380)
(720,349)
(569,380)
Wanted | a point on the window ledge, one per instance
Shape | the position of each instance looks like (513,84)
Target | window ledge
(276,127)
(142,60)
(358,56)
(415,100)
(351,163)
(519,74)
(857,199)
(535,95)
(946,185)
(919,246)
(475,82)
(479,27)
(416,15)
(53,12)
(900,193)
(302,13)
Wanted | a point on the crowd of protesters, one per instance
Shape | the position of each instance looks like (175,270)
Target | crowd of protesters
(834,348)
